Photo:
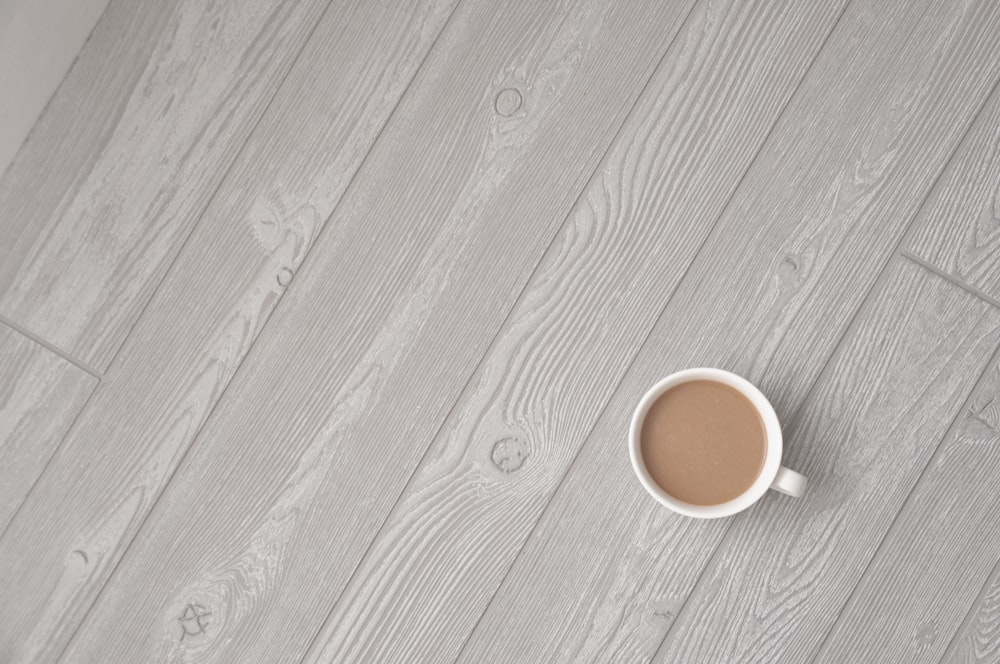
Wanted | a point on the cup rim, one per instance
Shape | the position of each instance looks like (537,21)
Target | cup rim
(772,442)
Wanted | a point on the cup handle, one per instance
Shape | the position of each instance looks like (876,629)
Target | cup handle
(789,482)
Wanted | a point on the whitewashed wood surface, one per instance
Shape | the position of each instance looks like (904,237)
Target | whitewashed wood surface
(978,639)
(321,324)
(931,565)
(126,156)
(769,296)
(389,355)
(39,41)
(178,361)
(470,505)
(40,396)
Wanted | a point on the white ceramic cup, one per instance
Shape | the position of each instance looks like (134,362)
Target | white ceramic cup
(772,476)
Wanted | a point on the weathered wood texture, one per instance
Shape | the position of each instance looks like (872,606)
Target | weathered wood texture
(781,575)
(347,385)
(39,40)
(197,329)
(946,539)
(931,565)
(813,222)
(127,155)
(962,238)
(564,348)
(371,290)
(978,639)
(40,395)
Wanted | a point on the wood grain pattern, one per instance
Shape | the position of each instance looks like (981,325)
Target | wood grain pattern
(472,502)
(185,350)
(127,156)
(29,29)
(945,540)
(863,436)
(40,395)
(967,244)
(813,222)
(978,640)
(932,563)
(395,306)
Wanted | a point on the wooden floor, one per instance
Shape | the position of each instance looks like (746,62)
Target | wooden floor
(322,322)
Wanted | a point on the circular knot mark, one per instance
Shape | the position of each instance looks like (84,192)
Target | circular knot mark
(508,101)
(285,277)
(925,634)
(509,454)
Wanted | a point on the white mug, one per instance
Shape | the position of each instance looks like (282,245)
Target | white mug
(772,476)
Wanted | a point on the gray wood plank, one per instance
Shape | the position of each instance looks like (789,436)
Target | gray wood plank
(39,40)
(489,473)
(965,243)
(782,574)
(395,306)
(127,155)
(40,396)
(813,222)
(931,565)
(945,541)
(185,350)
(978,639)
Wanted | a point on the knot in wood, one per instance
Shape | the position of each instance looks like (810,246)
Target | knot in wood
(509,454)
(508,101)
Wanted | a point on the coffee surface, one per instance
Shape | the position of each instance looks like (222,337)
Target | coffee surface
(703,442)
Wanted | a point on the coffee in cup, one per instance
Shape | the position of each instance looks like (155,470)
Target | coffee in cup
(707,443)
(703,442)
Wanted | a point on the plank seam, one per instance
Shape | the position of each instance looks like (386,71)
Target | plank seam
(23,331)
(950,278)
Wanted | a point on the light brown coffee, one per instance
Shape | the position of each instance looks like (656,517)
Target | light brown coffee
(703,442)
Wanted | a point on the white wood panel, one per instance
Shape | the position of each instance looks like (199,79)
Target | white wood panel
(978,640)
(813,222)
(40,396)
(946,539)
(185,350)
(333,314)
(565,347)
(127,155)
(39,40)
(945,542)
(782,573)
(378,331)
(961,236)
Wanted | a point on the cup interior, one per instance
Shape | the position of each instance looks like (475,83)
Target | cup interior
(772,443)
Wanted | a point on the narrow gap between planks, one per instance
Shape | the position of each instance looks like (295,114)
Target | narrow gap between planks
(23,331)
